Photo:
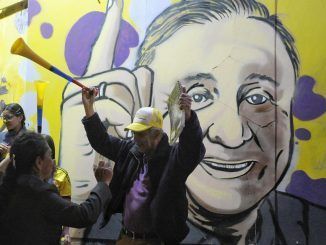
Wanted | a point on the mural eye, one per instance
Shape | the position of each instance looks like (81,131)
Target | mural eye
(256,99)
(201,97)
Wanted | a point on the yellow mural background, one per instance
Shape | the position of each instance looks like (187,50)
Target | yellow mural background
(305,20)
(9,63)
(62,15)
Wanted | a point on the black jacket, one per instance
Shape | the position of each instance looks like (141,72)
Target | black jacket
(169,168)
(36,213)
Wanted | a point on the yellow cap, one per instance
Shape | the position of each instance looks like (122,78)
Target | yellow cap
(146,118)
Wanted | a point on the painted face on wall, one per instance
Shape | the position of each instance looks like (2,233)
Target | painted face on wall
(241,81)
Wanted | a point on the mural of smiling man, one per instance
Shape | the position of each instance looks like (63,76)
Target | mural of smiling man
(240,66)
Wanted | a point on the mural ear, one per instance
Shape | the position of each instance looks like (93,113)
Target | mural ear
(144,81)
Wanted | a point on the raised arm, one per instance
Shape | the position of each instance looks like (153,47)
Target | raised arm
(101,141)
(190,148)
(66,213)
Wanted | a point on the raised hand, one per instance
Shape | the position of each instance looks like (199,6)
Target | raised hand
(103,173)
(88,98)
(185,103)
(4,149)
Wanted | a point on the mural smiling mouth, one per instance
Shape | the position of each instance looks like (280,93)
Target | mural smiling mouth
(226,170)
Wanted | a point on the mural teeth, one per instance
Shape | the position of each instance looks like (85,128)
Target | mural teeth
(233,166)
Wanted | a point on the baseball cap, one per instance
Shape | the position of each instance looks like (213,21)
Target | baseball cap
(146,118)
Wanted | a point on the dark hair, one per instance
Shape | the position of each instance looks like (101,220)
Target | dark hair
(23,153)
(187,12)
(25,149)
(50,142)
(17,110)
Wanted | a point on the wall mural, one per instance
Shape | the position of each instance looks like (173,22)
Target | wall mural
(257,87)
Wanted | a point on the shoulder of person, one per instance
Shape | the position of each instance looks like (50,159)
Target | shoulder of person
(2,136)
(61,174)
(35,184)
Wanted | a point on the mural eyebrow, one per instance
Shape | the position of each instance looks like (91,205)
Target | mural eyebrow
(194,86)
(262,77)
(199,76)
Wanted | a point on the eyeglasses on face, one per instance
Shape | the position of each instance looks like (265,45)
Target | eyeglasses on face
(7,117)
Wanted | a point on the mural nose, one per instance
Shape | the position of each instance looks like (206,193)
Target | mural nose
(228,131)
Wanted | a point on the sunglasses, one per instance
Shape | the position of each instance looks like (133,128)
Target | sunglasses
(7,117)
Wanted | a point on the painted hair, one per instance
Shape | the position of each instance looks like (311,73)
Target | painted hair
(17,110)
(190,12)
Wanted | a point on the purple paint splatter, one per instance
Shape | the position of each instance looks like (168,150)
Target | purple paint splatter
(80,40)
(303,134)
(128,38)
(312,190)
(83,35)
(308,105)
(34,8)
(46,30)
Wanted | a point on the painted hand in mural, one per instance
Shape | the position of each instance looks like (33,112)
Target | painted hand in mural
(121,93)
(118,99)
(103,51)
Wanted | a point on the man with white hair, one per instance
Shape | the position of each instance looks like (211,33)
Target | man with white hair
(148,186)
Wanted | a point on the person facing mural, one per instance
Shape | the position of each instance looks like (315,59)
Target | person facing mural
(148,186)
(59,178)
(239,64)
(31,211)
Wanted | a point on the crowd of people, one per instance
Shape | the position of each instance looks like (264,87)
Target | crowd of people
(244,106)
(13,117)
(35,193)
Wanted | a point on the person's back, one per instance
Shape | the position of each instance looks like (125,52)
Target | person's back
(26,213)
(31,210)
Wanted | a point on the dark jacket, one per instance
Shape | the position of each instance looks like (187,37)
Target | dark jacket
(36,213)
(168,169)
